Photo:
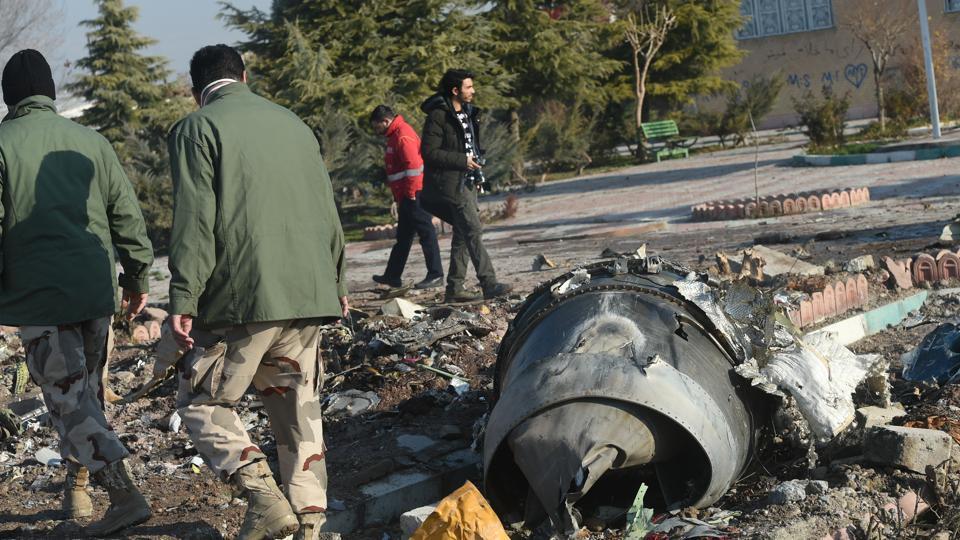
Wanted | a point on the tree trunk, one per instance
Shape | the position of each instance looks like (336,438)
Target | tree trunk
(641,94)
(878,66)
(516,170)
(638,91)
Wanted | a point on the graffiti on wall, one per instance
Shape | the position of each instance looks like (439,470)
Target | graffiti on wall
(853,74)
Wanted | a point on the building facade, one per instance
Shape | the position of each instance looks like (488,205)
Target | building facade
(806,42)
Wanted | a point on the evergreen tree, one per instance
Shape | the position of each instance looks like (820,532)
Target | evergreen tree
(119,82)
(332,61)
(370,52)
(696,50)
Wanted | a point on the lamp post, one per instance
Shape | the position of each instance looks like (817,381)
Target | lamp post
(928,61)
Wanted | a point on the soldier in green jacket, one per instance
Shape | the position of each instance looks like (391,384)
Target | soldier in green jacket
(66,205)
(257,264)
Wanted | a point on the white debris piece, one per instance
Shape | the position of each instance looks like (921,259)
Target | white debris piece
(579,278)
(821,375)
(398,307)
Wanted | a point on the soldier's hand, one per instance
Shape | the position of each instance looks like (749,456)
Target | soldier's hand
(345,304)
(181,326)
(471,164)
(133,303)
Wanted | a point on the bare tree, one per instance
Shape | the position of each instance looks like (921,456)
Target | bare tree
(646,35)
(880,25)
(27,23)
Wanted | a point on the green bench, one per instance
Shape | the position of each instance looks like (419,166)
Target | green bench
(663,139)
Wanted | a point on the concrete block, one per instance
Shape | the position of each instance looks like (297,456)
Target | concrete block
(869,417)
(813,204)
(794,315)
(908,448)
(415,443)
(789,207)
(412,520)
(800,203)
(819,313)
(776,208)
(835,200)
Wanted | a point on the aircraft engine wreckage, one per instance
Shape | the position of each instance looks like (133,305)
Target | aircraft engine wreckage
(636,370)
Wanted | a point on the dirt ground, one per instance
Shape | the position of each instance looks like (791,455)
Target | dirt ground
(571,223)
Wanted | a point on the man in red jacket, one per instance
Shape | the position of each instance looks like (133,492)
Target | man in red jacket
(405,175)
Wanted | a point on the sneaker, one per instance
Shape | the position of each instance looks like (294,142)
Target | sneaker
(459,296)
(496,290)
(429,283)
(384,280)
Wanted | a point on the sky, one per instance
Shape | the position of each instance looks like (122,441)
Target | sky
(179,26)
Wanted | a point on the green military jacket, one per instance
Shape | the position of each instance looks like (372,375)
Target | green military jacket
(256,235)
(66,204)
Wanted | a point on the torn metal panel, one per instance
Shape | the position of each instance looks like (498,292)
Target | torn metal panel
(936,358)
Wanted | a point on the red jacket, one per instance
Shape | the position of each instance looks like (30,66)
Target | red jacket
(403,161)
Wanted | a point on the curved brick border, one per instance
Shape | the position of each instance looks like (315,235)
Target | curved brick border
(780,205)
(837,297)
(937,152)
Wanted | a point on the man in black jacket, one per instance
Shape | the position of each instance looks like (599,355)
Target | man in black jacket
(451,151)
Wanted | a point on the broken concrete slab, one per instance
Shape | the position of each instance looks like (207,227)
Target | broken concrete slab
(386,499)
(398,307)
(412,520)
(778,263)
(907,448)
(872,416)
(415,443)
(899,272)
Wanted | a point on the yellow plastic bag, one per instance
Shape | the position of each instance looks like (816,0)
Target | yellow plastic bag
(462,515)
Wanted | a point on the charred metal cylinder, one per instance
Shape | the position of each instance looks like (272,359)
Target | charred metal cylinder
(608,376)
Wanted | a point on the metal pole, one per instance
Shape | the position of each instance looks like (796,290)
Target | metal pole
(928,60)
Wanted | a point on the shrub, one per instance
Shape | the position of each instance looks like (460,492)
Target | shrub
(896,129)
(560,138)
(823,118)
(756,98)
(501,152)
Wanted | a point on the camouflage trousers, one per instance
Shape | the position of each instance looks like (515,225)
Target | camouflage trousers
(66,362)
(282,361)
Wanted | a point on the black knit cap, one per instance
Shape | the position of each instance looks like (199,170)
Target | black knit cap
(27,74)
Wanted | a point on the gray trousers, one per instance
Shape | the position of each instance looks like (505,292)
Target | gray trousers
(467,243)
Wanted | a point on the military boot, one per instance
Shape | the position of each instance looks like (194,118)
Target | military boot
(127,505)
(268,513)
(310,525)
(76,501)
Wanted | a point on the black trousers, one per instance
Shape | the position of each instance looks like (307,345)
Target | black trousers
(412,221)
(466,246)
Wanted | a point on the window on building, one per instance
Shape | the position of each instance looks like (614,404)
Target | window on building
(952,5)
(776,17)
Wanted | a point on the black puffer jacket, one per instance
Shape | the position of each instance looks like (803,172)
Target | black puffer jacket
(443,148)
